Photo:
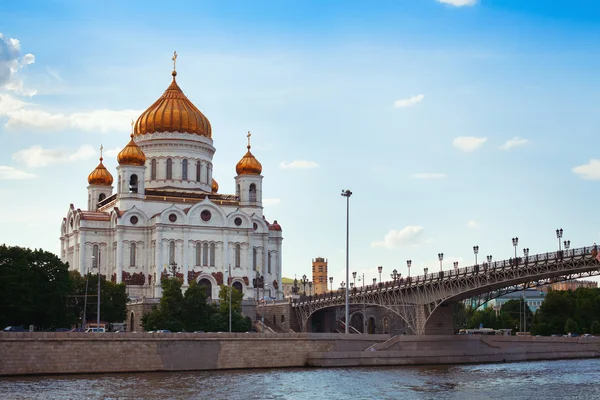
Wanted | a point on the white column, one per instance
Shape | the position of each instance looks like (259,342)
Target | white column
(278,268)
(186,255)
(119,255)
(82,266)
(265,254)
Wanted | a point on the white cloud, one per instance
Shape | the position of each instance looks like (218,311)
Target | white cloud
(271,202)
(409,236)
(589,171)
(299,164)
(11,173)
(10,64)
(111,152)
(514,142)
(429,175)
(473,224)
(468,143)
(408,102)
(458,3)
(36,156)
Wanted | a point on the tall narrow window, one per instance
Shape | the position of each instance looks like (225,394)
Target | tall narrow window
(132,251)
(184,166)
(169,168)
(237,190)
(212,254)
(133,184)
(153,169)
(238,256)
(254,258)
(172,252)
(95,254)
(198,167)
(198,253)
(252,194)
(205,254)
(269,262)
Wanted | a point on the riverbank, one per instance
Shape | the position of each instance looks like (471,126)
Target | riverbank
(80,353)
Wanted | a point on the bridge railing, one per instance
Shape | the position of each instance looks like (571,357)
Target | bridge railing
(484,268)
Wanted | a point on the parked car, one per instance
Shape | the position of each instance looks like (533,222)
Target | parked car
(95,330)
(162,331)
(62,330)
(15,329)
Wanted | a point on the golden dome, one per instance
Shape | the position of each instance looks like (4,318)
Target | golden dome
(131,154)
(173,112)
(100,176)
(215,186)
(248,165)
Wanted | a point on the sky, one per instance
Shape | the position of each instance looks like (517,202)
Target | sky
(454,123)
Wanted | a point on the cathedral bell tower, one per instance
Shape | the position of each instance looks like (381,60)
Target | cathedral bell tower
(131,169)
(100,185)
(248,182)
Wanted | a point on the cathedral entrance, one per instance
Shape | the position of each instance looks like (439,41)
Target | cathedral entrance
(238,286)
(207,287)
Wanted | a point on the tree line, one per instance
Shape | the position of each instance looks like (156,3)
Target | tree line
(191,311)
(562,312)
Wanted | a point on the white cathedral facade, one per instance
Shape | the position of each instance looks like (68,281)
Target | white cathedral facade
(165,214)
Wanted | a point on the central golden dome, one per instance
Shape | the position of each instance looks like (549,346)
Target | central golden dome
(173,112)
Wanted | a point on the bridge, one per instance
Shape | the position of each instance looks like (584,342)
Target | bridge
(424,302)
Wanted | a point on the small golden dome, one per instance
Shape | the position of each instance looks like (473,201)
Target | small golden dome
(100,176)
(215,186)
(248,165)
(131,154)
(173,112)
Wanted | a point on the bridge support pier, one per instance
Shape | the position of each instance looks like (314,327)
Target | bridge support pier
(440,322)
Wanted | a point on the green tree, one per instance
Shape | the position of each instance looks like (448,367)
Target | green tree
(171,305)
(595,328)
(571,326)
(513,312)
(236,299)
(153,320)
(197,309)
(34,289)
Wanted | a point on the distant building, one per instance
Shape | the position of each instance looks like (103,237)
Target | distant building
(570,285)
(319,275)
(533,297)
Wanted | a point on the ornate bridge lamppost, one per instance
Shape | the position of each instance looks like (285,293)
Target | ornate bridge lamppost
(476,251)
(567,244)
(304,281)
(441,258)
(354,277)
(455,265)
(331,282)
(515,242)
(425,270)
(295,287)
(489,259)
(559,234)
(394,275)
(526,252)
(408,264)
(380,268)
(374,282)
(310,288)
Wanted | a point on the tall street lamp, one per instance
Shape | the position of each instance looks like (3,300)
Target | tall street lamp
(394,275)
(98,310)
(310,288)
(374,282)
(408,264)
(455,265)
(87,275)
(331,282)
(526,252)
(559,233)
(380,268)
(441,258)
(567,244)
(347,194)
(304,281)
(476,251)
(515,242)
(425,270)
(489,259)
(354,277)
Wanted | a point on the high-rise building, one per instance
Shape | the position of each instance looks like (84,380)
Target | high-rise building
(319,275)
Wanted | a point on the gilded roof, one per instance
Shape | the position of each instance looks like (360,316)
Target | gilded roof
(100,176)
(131,154)
(173,112)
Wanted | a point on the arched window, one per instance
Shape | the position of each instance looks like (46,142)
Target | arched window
(252,192)
(133,184)
(184,166)
(95,256)
(169,168)
(101,196)
(205,254)
(132,251)
(198,253)
(198,168)
(269,262)
(254,258)
(386,325)
(153,169)
(212,254)
(238,256)
(171,252)
(237,190)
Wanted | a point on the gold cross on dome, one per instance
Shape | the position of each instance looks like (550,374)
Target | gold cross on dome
(101,148)
(248,136)
(174,60)
(132,123)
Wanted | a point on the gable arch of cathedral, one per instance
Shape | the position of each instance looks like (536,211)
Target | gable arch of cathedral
(142,218)
(260,223)
(165,216)
(246,221)
(218,217)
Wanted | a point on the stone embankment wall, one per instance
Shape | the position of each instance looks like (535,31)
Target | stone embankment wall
(70,352)
(464,349)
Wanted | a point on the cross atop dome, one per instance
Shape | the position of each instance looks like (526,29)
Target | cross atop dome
(248,136)
(174,73)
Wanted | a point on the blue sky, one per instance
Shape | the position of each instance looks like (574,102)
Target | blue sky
(453,124)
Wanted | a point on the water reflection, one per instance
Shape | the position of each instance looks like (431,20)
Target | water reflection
(573,379)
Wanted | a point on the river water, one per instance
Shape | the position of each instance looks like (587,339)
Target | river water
(571,379)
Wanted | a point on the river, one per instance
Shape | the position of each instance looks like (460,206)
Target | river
(570,379)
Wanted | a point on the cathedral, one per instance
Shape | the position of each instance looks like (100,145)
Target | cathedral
(166,216)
